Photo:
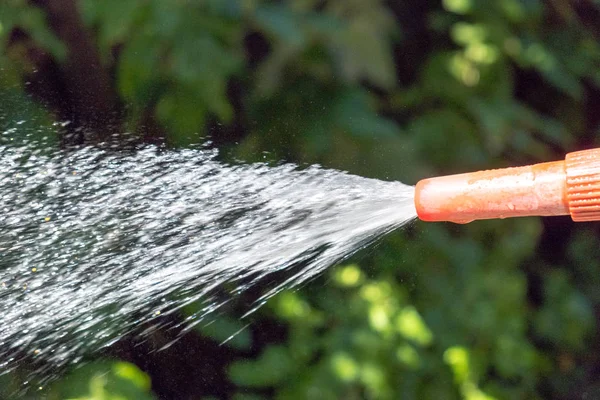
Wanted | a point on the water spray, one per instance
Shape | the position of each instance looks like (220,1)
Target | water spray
(567,187)
(95,244)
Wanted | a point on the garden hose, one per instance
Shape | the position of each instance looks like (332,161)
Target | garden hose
(567,187)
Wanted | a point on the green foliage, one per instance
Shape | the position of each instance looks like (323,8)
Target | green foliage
(103,380)
(178,58)
(224,329)
(475,312)
(19,13)
(566,316)
(378,345)
(25,121)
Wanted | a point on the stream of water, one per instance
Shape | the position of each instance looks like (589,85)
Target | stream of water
(96,242)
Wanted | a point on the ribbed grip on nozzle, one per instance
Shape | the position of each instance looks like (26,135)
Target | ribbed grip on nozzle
(583,184)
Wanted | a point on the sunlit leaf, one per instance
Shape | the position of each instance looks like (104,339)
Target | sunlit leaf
(104,380)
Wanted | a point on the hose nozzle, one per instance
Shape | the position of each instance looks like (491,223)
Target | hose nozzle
(568,187)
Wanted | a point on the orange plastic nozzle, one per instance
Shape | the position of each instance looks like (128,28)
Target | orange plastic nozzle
(564,187)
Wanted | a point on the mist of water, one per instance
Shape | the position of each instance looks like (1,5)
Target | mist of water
(95,242)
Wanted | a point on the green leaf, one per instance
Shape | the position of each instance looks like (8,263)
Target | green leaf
(104,380)
(204,66)
(139,77)
(281,23)
(33,20)
(226,8)
(354,113)
(272,367)
(165,19)
(184,115)
(116,20)
(227,330)
(567,317)
(411,325)
(364,53)
(448,138)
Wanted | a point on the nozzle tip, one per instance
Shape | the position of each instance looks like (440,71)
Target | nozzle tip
(583,184)
(436,199)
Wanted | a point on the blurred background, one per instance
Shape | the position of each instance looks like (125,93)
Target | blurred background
(395,90)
